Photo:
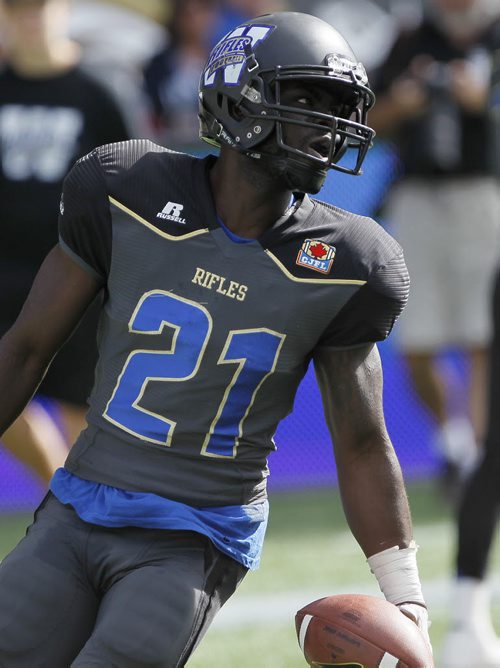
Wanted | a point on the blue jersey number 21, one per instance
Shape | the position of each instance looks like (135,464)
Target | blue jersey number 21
(254,352)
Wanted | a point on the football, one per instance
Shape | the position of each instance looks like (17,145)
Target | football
(354,630)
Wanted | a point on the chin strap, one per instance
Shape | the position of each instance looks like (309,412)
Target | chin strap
(296,175)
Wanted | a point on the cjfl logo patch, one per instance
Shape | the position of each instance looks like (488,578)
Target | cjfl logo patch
(316,255)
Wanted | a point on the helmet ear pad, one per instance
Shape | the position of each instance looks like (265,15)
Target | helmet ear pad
(240,131)
(248,131)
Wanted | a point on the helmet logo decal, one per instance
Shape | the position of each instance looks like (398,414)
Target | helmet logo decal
(316,255)
(229,55)
(342,67)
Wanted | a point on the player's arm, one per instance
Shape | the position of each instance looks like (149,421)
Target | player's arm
(370,478)
(59,297)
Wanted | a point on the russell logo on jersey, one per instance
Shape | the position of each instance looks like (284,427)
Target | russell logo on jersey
(172,211)
(316,255)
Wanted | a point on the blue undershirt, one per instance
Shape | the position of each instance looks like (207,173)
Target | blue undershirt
(235,530)
(243,240)
(234,237)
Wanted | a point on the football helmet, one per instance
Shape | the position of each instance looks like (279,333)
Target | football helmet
(240,96)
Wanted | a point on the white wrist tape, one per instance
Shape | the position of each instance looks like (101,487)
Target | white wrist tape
(397,573)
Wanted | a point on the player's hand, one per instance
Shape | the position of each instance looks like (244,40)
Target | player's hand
(419,615)
(409,97)
(468,88)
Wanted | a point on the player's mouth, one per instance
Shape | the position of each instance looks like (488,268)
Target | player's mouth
(320,148)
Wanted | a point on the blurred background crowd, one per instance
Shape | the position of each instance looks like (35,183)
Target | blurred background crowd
(78,73)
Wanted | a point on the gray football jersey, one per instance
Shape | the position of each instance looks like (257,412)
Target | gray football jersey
(203,340)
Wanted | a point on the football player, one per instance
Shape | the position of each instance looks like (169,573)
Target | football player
(222,280)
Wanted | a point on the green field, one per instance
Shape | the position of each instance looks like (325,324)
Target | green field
(310,553)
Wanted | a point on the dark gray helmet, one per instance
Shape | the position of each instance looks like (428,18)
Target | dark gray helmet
(240,92)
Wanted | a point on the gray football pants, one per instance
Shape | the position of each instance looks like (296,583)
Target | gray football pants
(75,594)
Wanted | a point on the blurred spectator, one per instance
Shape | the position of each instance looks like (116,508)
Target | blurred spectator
(480,504)
(432,101)
(51,113)
(471,634)
(172,76)
(117,38)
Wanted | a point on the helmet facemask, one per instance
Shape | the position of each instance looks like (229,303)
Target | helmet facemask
(341,132)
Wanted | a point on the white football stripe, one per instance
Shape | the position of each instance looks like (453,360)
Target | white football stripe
(303,630)
(388,661)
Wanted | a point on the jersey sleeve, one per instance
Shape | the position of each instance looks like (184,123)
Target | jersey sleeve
(85,220)
(370,314)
